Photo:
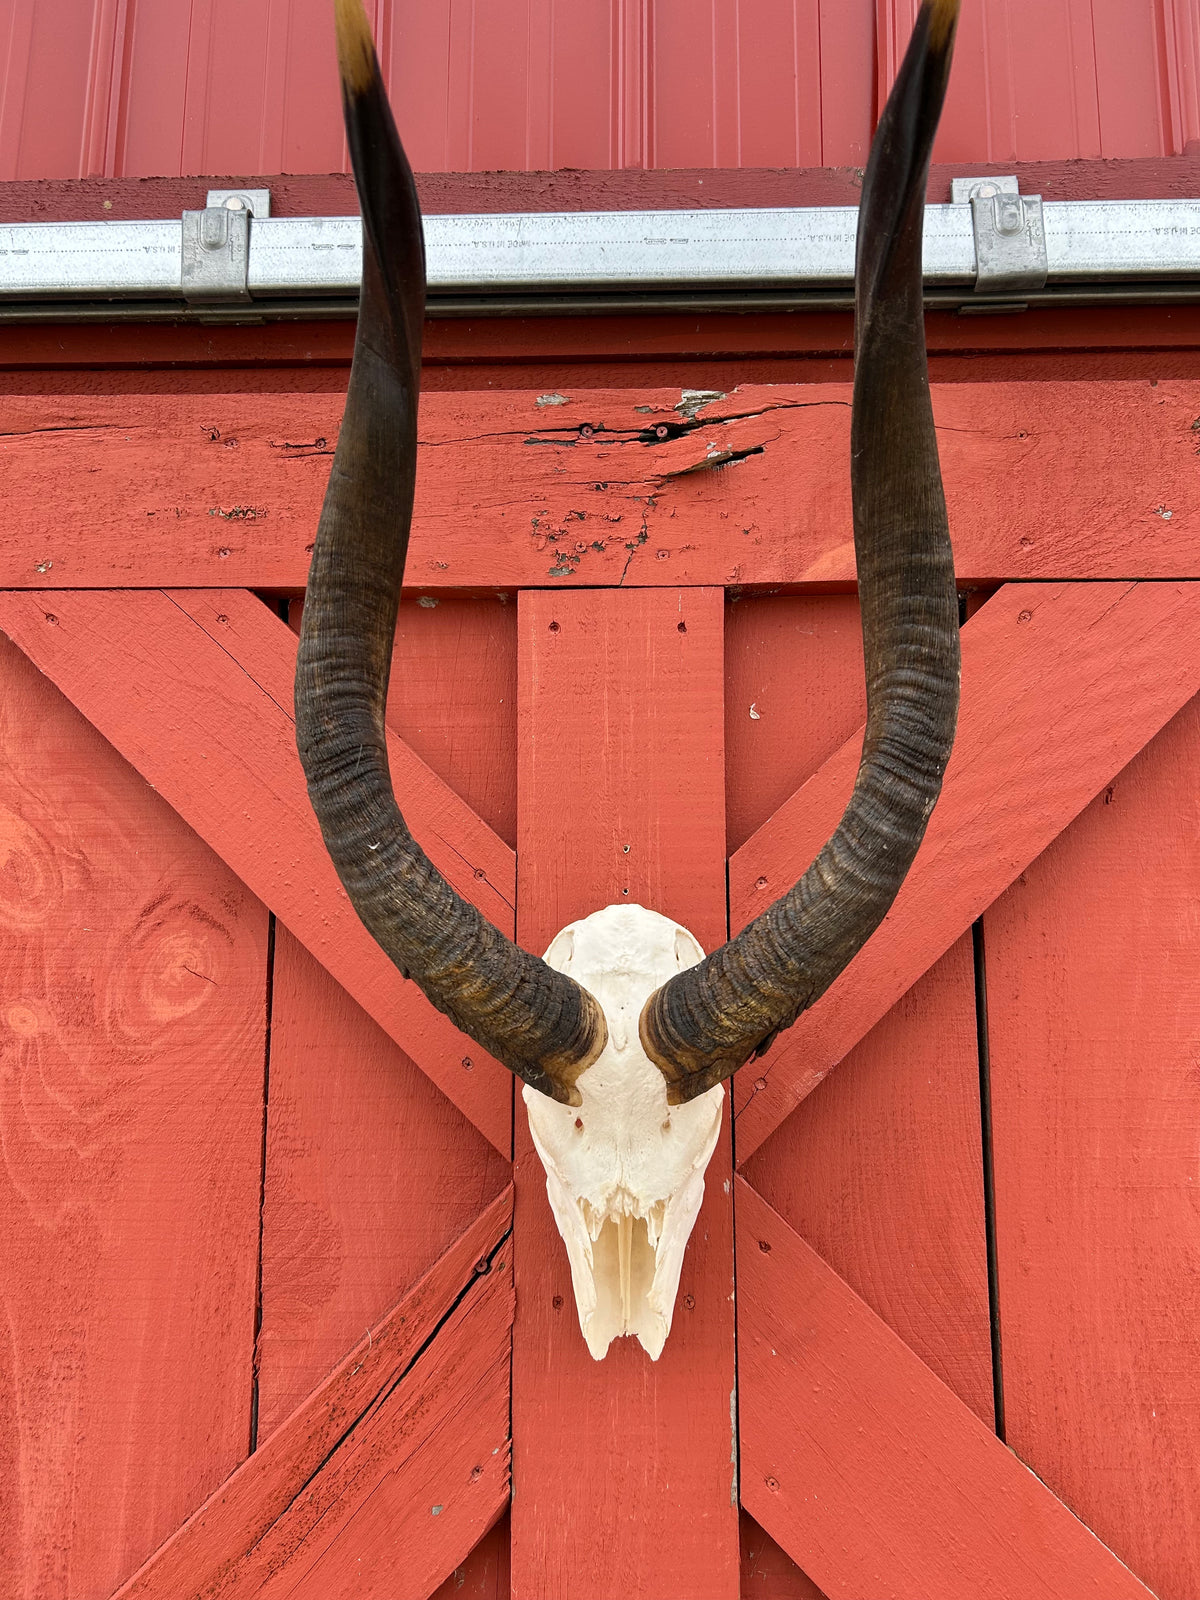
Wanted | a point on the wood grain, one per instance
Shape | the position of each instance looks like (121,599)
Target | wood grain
(624,1473)
(484,1574)
(415,1417)
(216,490)
(1092,958)
(768,1572)
(866,1469)
(133,976)
(371,1174)
(1062,685)
(195,691)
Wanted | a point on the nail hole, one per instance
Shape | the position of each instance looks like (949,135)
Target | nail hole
(554,627)
(557,1302)
(467,1063)
(681,627)
(764,1247)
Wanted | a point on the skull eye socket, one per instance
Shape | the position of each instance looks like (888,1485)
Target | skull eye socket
(561,954)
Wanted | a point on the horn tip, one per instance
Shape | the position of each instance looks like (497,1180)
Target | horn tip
(356,52)
(943,15)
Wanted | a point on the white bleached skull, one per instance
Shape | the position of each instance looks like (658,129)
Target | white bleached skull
(624,1171)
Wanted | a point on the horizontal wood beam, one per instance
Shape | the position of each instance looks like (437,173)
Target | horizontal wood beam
(406,1442)
(195,691)
(524,490)
(1062,685)
(621,189)
(868,1471)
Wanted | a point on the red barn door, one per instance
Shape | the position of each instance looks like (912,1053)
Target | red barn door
(287,1314)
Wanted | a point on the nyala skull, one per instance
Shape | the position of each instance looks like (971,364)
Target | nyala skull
(624,1169)
(625,1035)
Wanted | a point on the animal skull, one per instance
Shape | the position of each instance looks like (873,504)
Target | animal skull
(624,1170)
(626,1033)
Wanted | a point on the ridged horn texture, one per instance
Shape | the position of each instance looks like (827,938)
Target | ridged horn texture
(704,1024)
(539,1023)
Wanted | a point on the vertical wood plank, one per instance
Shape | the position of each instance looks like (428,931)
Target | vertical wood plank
(371,1172)
(624,1479)
(880,1169)
(1092,959)
(371,1175)
(132,1045)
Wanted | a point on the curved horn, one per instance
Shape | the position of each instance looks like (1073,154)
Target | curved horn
(704,1024)
(539,1023)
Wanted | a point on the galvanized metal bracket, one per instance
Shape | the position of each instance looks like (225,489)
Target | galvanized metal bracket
(1010,235)
(215,262)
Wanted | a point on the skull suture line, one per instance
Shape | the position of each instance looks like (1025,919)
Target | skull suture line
(625,1035)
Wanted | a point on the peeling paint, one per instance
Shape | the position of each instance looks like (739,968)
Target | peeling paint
(691,400)
(552,400)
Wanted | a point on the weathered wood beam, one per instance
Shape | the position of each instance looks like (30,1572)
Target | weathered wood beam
(195,691)
(1062,685)
(1044,481)
(389,1473)
(866,1468)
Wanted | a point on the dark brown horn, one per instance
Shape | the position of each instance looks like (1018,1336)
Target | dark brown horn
(539,1023)
(704,1024)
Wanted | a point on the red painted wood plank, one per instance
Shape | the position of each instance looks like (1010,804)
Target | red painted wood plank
(879,1169)
(454,701)
(199,700)
(1109,343)
(1092,958)
(484,1574)
(219,490)
(768,1572)
(866,1469)
(880,1172)
(781,650)
(624,1481)
(133,982)
(332,194)
(371,1174)
(1062,685)
(399,1428)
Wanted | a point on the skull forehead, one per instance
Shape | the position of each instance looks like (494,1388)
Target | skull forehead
(626,938)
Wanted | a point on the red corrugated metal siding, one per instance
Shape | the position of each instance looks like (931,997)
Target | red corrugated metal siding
(129,88)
